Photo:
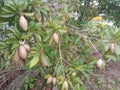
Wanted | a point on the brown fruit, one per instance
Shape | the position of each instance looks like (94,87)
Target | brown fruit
(37,17)
(55,38)
(54,80)
(112,47)
(17,58)
(42,63)
(65,85)
(22,52)
(23,23)
(49,80)
(100,63)
(74,74)
(27,47)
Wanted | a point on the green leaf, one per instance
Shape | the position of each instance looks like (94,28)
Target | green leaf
(85,74)
(62,30)
(45,60)
(1,26)
(28,14)
(7,10)
(80,68)
(12,7)
(47,38)
(65,8)
(14,45)
(117,50)
(91,62)
(107,46)
(59,70)
(47,76)
(46,8)
(26,79)
(43,11)
(38,37)
(24,36)
(76,87)
(24,4)
(6,15)
(111,57)
(34,61)
(26,86)
(31,85)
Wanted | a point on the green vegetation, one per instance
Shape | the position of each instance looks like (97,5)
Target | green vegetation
(39,34)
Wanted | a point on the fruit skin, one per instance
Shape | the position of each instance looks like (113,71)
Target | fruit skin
(65,85)
(74,74)
(112,47)
(54,80)
(100,63)
(22,52)
(27,47)
(55,38)
(49,80)
(17,59)
(23,23)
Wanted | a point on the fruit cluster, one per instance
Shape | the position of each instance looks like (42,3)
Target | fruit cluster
(21,53)
(53,80)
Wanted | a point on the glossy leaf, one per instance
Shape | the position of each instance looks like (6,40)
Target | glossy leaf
(59,70)
(34,61)
(45,60)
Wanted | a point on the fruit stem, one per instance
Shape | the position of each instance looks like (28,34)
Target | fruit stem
(21,11)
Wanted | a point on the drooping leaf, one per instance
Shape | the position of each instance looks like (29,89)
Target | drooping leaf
(6,15)
(45,60)
(117,50)
(24,4)
(59,70)
(66,8)
(34,61)
(107,46)
(29,14)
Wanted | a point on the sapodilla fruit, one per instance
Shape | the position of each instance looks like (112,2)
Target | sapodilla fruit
(65,85)
(42,63)
(17,58)
(54,80)
(112,47)
(23,23)
(55,38)
(100,63)
(49,80)
(22,52)
(27,47)
(74,74)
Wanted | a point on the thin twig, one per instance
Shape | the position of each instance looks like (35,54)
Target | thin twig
(61,60)
(60,55)
(93,46)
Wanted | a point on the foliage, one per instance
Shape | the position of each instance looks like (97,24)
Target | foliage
(28,83)
(111,9)
(87,9)
(69,60)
